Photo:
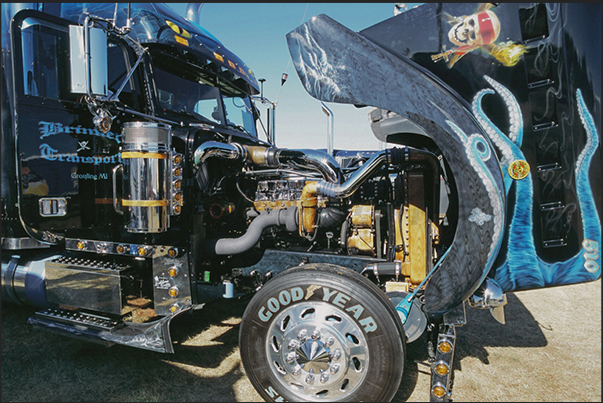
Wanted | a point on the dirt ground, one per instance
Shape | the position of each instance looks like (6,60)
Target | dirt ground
(548,350)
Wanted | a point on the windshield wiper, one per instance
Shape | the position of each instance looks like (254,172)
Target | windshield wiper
(195,115)
(239,127)
(204,119)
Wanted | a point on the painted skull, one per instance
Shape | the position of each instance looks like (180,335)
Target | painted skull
(475,30)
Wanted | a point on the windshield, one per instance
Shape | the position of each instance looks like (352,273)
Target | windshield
(203,102)
(239,113)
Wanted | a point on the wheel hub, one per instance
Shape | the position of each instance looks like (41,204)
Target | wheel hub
(317,351)
(313,356)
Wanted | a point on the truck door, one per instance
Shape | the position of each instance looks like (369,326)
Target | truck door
(65,162)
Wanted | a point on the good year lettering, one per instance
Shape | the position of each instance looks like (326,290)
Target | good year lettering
(335,297)
(285,297)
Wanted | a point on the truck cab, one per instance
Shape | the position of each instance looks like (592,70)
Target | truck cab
(165,80)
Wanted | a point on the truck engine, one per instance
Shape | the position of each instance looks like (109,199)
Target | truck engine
(301,200)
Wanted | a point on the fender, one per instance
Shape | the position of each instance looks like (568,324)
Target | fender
(362,72)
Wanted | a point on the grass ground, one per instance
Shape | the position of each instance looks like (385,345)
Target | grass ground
(549,350)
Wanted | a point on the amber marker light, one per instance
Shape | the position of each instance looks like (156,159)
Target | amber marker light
(441,368)
(438,391)
(142,251)
(445,346)
(177,172)
(173,308)
(178,184)
(177,159)
(173,271)
(173,252)
(177,209)
(178,196)
(120,249)
(81,245)
(173,292)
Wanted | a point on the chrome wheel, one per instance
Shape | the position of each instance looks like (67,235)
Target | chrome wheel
(317,351)
(321,332)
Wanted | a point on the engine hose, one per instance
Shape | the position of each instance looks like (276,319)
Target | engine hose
(330,217)
(271,157)
(232,246)
(394,156)
(350,186)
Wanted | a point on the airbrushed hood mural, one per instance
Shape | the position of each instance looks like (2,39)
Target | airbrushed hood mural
(479,30)
(521,89)
(523,268)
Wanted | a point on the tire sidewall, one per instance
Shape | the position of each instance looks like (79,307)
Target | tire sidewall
(352,294)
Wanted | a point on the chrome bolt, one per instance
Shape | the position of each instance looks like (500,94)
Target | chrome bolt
(291,357)
(334,368)
(310,378)
(324,376)
(293,344)
(336,354)
(330,341)
(302,335)
(297,370)
(316,335)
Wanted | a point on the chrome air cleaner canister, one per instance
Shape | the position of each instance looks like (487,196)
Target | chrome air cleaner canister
(146,174)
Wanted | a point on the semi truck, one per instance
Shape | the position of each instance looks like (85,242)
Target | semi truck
(136,188)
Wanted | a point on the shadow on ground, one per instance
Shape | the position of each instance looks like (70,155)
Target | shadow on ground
(480,331)
(40,366)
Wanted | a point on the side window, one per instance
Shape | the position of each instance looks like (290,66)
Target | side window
(120,61)
(45,61)
(46,65)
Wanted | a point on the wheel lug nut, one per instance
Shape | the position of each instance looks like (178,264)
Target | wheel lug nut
(310,378)
(334,368)
(316,335)
(302,335)
(330,341)
(297,370)
(336,354)
(293,344)
(291,357)
(324,377)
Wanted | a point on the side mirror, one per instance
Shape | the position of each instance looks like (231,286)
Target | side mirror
(88,60)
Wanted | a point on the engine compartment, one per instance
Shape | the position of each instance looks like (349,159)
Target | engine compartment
(383,205)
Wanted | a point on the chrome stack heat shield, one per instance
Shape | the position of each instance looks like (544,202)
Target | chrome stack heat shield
(146,176)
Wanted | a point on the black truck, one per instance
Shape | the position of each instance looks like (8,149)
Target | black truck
(135,186)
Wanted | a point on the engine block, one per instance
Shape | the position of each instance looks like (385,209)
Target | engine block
(278,194)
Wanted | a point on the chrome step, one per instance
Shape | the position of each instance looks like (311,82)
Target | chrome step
(80,318)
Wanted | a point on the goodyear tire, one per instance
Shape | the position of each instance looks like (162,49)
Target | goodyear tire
(322,332)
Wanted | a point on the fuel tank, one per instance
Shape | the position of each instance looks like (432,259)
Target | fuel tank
(23,278)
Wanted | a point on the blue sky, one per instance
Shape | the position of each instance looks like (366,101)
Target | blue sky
(256,33)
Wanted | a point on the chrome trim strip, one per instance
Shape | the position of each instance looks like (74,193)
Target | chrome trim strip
(22,243)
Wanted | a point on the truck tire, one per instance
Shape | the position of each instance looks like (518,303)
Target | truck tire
(321,332)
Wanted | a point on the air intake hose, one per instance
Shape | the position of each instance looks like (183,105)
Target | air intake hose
(267,218)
